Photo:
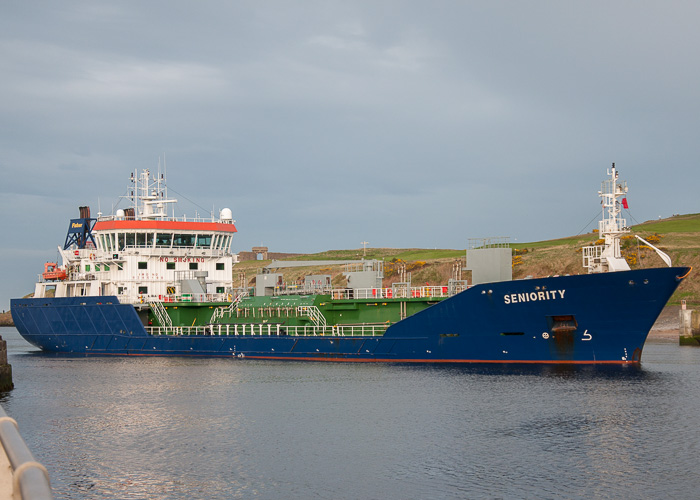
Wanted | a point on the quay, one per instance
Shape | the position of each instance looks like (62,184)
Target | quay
(21,476)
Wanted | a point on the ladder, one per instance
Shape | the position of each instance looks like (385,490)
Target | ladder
(160,312)
(220,311)
(314,314)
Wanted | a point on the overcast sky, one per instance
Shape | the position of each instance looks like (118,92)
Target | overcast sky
(324,124)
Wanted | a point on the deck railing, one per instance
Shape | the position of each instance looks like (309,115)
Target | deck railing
(270,330)
(393,293)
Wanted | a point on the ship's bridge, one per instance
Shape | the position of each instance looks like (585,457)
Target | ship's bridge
(164,235)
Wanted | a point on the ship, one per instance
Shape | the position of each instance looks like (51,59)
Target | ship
(146,282)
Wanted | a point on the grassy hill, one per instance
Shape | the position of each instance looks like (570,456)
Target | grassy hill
(678,236)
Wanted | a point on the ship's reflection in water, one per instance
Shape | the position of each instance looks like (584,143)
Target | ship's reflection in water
(201,428)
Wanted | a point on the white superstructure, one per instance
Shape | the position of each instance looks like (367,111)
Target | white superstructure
(141,254)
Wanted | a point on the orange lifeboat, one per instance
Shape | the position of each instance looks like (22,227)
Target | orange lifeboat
(53,272)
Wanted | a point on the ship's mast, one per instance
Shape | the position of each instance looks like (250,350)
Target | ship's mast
(149,195)
(608,257)
(612,227)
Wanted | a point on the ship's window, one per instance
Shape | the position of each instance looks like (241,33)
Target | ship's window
(143,290)
(183,240)
(204,240)
(149,239)
(193,265)
(143,265)
(87,268)
(106,267)
(130,239)
(163,239)
(97,267)
(220,289)
(120,266)
(170,265)
(141,239)
(121,240)
(120,290)
(219,266)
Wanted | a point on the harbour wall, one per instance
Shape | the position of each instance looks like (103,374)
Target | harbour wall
(5,368)
(689,327)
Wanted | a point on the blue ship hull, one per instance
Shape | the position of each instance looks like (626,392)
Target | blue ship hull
(594,318)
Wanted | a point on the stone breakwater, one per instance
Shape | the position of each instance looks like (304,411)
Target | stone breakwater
(5,368)
(6,319)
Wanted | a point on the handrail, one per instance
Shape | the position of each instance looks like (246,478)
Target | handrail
(270,330)
(313,312)
(429,291)
(160,312)
(30,479)
(220,311)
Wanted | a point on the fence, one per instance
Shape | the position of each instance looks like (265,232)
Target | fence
(271,330)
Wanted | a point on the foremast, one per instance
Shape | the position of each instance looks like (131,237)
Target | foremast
(608,256)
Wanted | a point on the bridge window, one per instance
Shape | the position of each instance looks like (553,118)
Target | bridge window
(130,239)
(144,239)
(204,240)
(183,240)
(164,239)
(108,242)
(225,242)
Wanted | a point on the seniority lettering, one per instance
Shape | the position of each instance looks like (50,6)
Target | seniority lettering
(515,298)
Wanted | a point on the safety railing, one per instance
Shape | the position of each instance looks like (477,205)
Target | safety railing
(270,330)
(185,297)
(30,479)
(160,312)
(314,314)
(220,311)
(393,293)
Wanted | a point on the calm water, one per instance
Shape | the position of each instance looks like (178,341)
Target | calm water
(181,429)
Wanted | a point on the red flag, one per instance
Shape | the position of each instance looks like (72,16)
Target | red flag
(624,203)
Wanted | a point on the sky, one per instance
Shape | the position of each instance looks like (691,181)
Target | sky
(323,124)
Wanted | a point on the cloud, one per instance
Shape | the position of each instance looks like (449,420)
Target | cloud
(326,123)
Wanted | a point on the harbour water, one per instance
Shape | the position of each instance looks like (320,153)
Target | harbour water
(173,428)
